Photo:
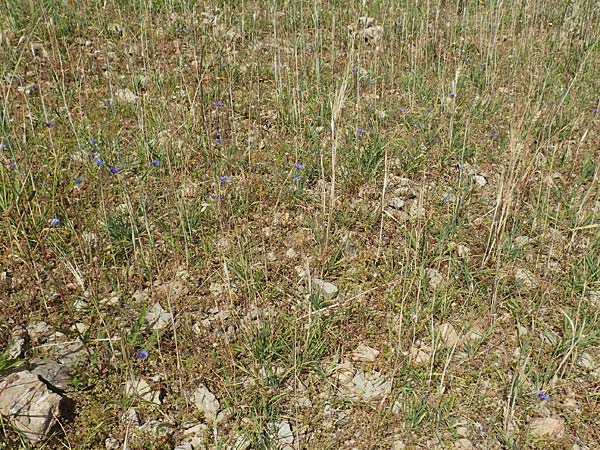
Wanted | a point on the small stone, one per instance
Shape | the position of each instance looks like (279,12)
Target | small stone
(282,433)
(206,402)
(132,418)
(193,436)
(522,241)
(80,304)
(480,181)
(462,431)
(550,337)
(547,426)
(185,446)
(302,402)
(323,288)
(125,95)
(434,277)
(157,427)
(32,408)
(39,331)
(138,387)
(463,251)
(463,444)
(525,278)
(157,318)
(586,361)
(398,445)
(449,335)
(112,444)
(420,355)
(364,353)
(350,250)
(522,331)
(57,375)
(396,203)
(18,344)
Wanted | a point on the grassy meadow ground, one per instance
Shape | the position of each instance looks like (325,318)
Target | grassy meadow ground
(439,164)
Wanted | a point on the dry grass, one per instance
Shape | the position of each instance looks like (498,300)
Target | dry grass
(481,117)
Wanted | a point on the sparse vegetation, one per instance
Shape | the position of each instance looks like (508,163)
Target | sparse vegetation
(436,161)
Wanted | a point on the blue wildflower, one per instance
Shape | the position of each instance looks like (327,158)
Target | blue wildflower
(114,170)
(218,140)
(155,163)
(218,104)
(400,110)
(361,131)
(54,222)
(298,166)
(93,141)
(12,165)
(354,69)
(452,94)
(49,123)
(296,176)
(429,110)
(595,111)
(141,354)
(544,397)
(98,161)
(493,133)
(225,179)
(77,180)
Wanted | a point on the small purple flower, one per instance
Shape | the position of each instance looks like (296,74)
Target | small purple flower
(543,396)
(2,145)
(99,161)
(436,140)
(595,111)
(493,133)
(370,83)
(296,176)
(54,222)
(114,170)
(77,180)
(49,123)
(355,70)
(452,94)
(12,165)
(218,140)
(225,179)
(219,56)
(218,104)
(361,131)
(141,354)
(429,110)
(155,163)
(298,166)
(400,110)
